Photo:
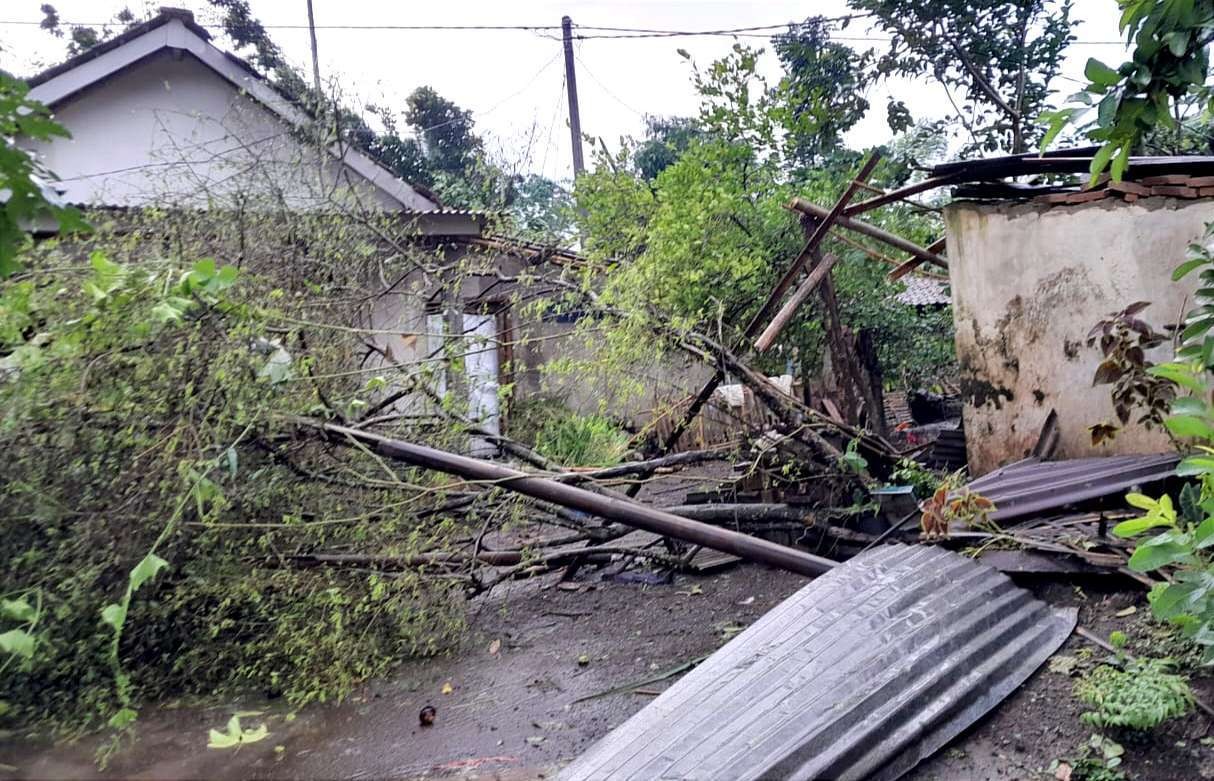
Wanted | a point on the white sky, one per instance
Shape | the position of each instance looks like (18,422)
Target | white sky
(513,80)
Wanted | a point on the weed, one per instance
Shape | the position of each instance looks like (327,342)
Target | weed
(910,472)
(1138,694)
(582,440)
(1097,760)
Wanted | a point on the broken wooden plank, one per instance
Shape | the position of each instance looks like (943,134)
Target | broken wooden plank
(915,262)
(786,313)
(899,194)
(826,219)
(773,299)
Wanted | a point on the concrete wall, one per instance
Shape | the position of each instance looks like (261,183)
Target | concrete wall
(171,132)
(1028,283)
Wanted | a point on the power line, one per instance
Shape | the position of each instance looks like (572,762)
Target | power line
(603,86)
(597,32)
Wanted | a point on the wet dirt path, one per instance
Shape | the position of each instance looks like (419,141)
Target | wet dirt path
(510,715)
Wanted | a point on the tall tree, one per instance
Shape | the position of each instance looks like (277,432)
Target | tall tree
(665,139)
(995,58)
(823,89)
(446,130)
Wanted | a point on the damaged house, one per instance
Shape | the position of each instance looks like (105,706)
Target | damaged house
(162,119)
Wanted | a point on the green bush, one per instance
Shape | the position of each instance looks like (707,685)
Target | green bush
(154,495)
(1141,694)
(582,440)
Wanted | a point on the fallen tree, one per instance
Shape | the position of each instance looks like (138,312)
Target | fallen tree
(611,508)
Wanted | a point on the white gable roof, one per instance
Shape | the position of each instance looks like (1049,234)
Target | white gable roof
(147,52)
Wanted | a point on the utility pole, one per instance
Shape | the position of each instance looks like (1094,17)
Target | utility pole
(575,119)
(320,139)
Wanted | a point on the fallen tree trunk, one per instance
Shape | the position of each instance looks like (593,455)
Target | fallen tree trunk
(612,508)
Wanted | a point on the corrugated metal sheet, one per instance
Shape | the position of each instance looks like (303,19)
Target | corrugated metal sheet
(923,291)
(861,674)
(1032,487)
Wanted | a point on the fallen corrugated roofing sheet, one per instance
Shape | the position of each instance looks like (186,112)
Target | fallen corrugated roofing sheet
(861,674)
(1032,487)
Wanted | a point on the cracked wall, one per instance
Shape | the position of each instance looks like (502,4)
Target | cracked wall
(1028,283)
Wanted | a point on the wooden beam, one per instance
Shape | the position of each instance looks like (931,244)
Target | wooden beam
(899,194)
(827,219)
(873,232)
(778,323)
(773,299)
(914,262)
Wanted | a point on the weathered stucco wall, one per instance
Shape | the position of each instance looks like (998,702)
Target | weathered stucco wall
(1028,283)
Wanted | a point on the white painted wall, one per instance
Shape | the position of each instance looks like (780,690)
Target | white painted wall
(169,131)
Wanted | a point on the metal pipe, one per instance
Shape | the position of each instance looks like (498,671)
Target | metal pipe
(612,508)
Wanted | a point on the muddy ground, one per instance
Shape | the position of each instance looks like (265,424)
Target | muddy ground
(515,709)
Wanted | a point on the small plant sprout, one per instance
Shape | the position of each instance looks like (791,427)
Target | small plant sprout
(234,736)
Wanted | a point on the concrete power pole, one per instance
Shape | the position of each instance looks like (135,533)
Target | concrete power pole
(320,133)
(575,119)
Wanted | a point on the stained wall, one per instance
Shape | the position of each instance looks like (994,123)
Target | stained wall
(1028,283)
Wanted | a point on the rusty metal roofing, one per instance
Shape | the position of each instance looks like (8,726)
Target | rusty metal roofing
(1033,487)
(861,674)
(1074,161)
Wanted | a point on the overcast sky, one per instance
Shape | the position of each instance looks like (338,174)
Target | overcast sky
(513,81)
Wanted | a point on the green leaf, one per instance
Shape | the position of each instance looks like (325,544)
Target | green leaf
(1152,555)
(205,268)
(114,614)
(1141,501)
(103,265)
(234,736)
(226,276)
(1101,160)
(1180,374)
(123,718)
(17,610)
(18,642)
(1099,73)
(146,570)
(1057,120)
(1189,426)
(1197,327)
(1121,160)
(1136,526)
(1203,535)
(1181,271)
(1189,405)
(1195,465)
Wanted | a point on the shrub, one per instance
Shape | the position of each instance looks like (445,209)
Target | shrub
(582,440)
(154,497)
(1140,695)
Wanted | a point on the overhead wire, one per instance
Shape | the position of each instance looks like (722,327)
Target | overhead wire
(591,32)
(604,87)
